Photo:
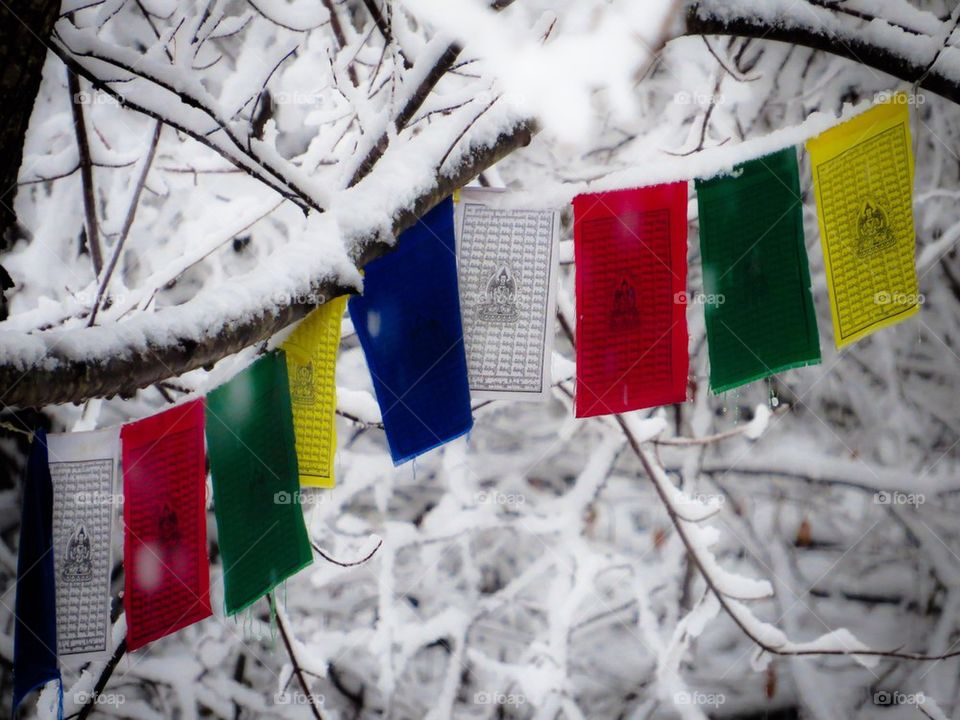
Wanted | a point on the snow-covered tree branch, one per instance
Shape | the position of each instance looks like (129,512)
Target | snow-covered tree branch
(197,176)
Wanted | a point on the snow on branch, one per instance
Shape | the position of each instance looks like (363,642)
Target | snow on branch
(349,217)
(73,365)
(913,51)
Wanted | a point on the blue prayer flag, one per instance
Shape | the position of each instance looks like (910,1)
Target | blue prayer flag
(35,631)
(408,322)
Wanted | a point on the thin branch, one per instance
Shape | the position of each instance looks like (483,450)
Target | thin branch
(357,421)
(108,669)
(276,22)
(463,132)
(297,670)
(341,563)
(86,174)
(127,223)
(102,681)
(340,37)
(718,437)
(384,27)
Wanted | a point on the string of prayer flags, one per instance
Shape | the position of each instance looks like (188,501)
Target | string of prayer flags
(408,323)
(166,573)
(863,182)
(631,256)
(83,470)
(35,628)
(253,462)
(507,262)
(759,310)
(311,366)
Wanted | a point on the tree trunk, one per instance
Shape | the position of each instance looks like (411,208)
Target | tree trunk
(23,48)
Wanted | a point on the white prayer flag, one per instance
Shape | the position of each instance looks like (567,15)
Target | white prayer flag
(83,469)
(507,264)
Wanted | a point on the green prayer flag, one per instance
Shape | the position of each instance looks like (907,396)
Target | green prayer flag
(759,310)
(253,462)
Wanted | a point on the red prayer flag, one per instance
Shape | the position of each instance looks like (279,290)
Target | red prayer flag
(167,579)
(631,256)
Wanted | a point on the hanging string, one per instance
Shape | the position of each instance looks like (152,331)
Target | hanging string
(273,615)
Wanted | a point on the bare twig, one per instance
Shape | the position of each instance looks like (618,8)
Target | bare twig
(341,563)
(340,37)
(717,437)
(86,174)
(127,223)
(297,670)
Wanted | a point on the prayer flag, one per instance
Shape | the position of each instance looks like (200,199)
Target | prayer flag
(311,366)
(863,182)
(83,469)
(166,569)
(759,311)
(631,256)
(253,462)
(35,627)
(507,263)
(408,322)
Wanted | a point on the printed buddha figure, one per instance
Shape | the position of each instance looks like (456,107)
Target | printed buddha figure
(500,299)
(78,564)
(169,526)
(624,313)
(301,389)
(873,230)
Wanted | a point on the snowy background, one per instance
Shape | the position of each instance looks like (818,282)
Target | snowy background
(543,567)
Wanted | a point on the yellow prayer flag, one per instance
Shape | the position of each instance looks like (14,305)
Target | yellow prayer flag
(311,364)
(863,182)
